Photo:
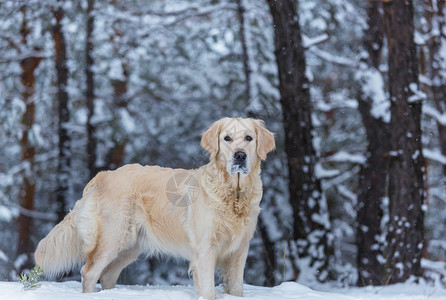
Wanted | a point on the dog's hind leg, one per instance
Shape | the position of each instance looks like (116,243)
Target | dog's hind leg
(96,261)
(111,272)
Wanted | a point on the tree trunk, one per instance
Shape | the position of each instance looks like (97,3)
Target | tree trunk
(28,66)
(91,128)
(311,228)
(63,166)
(373,176)
(269,255)
(406,186)
(245,54)
(435,15)
(116,154)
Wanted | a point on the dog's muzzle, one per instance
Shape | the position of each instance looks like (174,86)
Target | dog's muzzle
(239,163)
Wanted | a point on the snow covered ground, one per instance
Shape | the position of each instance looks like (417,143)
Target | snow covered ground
(71,290)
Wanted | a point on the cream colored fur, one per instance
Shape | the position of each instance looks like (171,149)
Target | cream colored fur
(128,211)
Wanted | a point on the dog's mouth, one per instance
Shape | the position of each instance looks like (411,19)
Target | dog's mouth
(239,168)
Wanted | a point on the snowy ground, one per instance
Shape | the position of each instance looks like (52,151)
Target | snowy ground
(289,290)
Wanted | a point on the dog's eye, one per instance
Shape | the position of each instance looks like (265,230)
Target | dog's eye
(248,138)
(227,138)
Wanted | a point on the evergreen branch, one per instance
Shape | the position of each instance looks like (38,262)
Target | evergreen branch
(32,280)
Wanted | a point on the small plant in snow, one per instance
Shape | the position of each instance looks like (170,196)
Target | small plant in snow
(31,281)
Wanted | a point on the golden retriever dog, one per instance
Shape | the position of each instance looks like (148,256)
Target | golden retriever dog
(206,216)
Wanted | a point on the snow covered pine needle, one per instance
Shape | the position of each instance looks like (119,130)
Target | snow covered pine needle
(31,281)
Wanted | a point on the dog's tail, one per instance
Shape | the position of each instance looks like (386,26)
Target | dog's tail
(61,250)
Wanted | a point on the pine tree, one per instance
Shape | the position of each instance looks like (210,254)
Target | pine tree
(311,228)
(406,183)
(373,177)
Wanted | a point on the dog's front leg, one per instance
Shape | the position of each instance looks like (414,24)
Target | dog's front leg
(232,269)
(203,267)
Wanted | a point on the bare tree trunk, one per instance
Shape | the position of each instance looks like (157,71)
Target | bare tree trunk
(406,186)
(63,166)
(245,54)
(91,128)
(269,255)
(311,228)
(436,16)
(115,156)
(373,176)
(26,196)
(437,59)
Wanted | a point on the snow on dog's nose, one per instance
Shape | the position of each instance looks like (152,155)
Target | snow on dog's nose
(239,164)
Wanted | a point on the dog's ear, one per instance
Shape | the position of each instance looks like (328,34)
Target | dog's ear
(265,139)
(210,139)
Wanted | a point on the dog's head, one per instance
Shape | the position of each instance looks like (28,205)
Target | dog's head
(238,143)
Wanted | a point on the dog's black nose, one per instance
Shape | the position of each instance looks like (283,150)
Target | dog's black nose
(240,156)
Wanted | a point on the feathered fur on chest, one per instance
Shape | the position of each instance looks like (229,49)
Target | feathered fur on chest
(234,201)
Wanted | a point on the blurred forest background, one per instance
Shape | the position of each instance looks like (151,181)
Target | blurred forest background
(355,91)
